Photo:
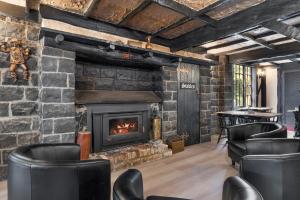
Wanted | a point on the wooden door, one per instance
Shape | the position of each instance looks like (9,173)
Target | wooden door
(291,95)
(189,103)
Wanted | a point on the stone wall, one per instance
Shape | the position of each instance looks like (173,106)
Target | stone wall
(57,95)
(169,105)
(205,104)
(91,76)
(221,91)
(19,107)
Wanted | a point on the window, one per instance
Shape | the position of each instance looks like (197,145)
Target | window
(242,77)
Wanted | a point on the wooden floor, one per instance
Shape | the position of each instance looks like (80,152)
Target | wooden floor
(197,173)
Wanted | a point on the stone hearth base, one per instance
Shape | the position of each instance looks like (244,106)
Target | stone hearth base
(129,156)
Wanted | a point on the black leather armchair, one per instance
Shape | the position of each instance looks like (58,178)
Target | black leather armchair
(239,134)
(273,167)
(55,172)
(129,186)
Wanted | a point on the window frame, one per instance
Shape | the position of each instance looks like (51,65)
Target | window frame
(242,83)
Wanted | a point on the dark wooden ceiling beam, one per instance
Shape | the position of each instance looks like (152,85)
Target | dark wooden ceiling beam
(170,27)
(185,10)
(131,14)
(264,54)
(284,29)
(261,42)
(239,22)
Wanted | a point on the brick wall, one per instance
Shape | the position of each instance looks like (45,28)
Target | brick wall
(19,107)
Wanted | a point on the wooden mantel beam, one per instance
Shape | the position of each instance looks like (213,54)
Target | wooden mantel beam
(284,29)
(254,16)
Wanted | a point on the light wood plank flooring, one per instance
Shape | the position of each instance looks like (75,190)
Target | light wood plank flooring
(197,173)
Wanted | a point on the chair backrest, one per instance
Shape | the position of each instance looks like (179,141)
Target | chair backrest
(129,185)
(276,177)
(50,152)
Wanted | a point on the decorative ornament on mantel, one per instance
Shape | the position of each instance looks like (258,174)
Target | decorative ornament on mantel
(18,55)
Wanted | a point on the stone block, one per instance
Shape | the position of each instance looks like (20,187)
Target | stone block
(4,109)
(34,79)
(104,84)
(143,75)
(54,79)
(170,106)
(171,85)
(31,94)
(33,33)
(144,86)
(69,54)
(68,138)
(5,154)
(32,63)
(15,125)
(58,110)
(205,138)
(66,65)
(125,85)
(71,81)
(15,30)
(78,70)
(47,126)
(167,96)
(169,126)
(28,138)
(92,71)
(24,108)
(68,95)
(64,125)
(7,80)
(108,72)
(84,85)
(49,64)
(8,140)
(49,51)
(126,74)
(51,139)
(51,95)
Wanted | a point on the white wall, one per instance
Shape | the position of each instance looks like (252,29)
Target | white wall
(271,82)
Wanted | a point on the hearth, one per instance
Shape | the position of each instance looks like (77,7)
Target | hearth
(115,125)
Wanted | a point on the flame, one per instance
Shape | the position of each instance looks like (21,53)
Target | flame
(123,128)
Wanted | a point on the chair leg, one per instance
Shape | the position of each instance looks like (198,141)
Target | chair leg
(219,138)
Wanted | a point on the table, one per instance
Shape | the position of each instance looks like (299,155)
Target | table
(297,122)
(250,114)
(256,109)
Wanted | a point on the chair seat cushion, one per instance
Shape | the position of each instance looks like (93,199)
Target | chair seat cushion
(163,198)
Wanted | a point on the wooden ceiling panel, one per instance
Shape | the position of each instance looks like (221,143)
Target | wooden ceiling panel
(153,18)
(196,4)
(114,11)
(182,29)
(231,7)
(75,6)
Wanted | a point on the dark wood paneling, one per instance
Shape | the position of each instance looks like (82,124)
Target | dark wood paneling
(182,29)
(153,18)
(189,103)
(114,10)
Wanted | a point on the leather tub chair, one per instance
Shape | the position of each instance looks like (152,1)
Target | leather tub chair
(239,134)
(129,186)
(273,167)
(55,172)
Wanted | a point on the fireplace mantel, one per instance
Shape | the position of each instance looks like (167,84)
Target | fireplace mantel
(112,97)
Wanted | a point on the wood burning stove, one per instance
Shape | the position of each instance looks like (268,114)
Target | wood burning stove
(113,125)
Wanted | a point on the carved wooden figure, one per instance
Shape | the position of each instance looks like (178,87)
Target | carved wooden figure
(18,57)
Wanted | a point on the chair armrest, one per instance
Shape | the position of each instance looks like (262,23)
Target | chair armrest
(237,133)
(272,146)
(279,133)
(235,188)
(129,185)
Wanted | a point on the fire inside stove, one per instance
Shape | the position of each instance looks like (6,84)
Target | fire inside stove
(123,126)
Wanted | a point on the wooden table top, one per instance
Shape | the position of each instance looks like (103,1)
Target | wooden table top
(249,114)
(255,108)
